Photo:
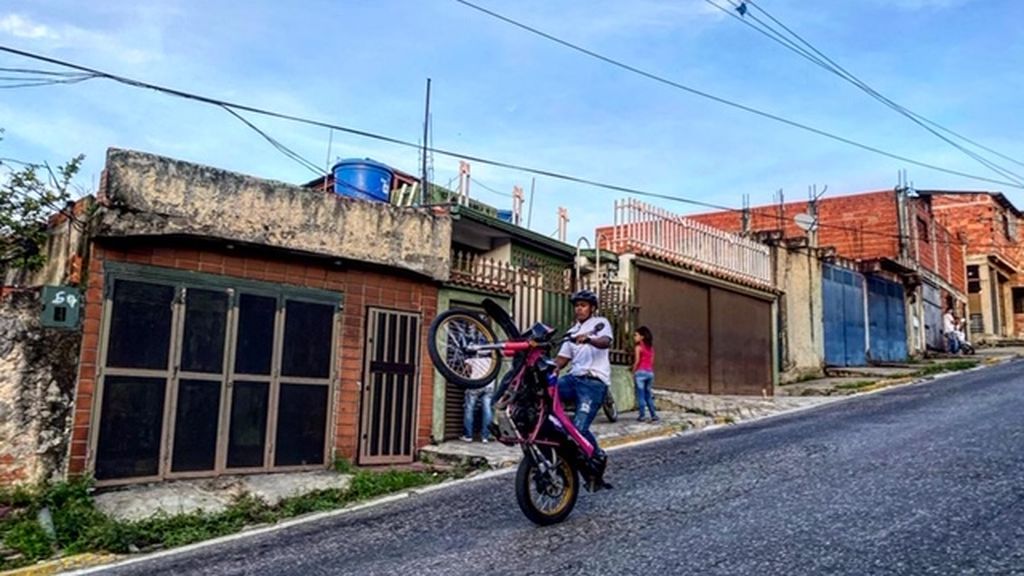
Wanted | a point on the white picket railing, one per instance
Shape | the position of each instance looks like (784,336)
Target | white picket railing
(652,231)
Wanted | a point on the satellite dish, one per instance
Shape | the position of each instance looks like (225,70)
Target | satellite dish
(806,222)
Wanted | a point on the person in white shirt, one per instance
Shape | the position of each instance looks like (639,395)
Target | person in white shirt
(590,372)
(949,331)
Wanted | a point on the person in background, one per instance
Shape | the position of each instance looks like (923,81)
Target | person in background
(486,395)
(643,372)
(949,331)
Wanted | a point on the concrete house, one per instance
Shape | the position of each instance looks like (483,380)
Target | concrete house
(990,224)
(232,324)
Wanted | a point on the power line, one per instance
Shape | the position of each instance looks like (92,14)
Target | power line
(822,60)
(481,160)
(488,188)
(30,78)
(922,118)
(730,103)
(37,72)
(280,147)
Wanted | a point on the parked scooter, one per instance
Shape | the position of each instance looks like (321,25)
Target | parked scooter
(965,346)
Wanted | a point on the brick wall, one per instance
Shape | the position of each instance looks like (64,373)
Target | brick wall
(362,288)
(979,219)
(860,227)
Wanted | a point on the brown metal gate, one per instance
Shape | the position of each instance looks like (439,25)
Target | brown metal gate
(390,387)
(708,340)
(741,345)
(677,313)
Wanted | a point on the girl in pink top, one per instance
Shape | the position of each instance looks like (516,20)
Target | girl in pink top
(643,371)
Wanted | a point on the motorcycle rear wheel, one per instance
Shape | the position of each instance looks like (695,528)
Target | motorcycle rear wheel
(547,498)
(449,335)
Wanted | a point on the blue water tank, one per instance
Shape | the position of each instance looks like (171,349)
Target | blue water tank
(363,179)
(505,215)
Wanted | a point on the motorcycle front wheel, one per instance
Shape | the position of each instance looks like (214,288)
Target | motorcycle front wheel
(547,497)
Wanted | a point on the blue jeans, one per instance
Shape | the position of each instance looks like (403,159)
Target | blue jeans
(588,396)
(954,342)
(644,380)
(469,413)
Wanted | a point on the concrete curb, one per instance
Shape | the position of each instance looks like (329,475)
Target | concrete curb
(74,562)
(96,562)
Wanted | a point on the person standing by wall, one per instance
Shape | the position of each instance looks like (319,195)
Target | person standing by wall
(484,396)
(643,372)
(949,331)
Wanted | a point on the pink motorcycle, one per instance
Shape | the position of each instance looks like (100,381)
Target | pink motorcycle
(528,411)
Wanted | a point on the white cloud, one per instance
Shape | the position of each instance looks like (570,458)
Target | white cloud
(22,27)
(135,45)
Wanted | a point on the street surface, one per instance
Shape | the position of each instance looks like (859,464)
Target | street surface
(916,480)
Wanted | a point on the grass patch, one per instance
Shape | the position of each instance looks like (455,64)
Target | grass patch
(855,385)
(79,527)
(953,366)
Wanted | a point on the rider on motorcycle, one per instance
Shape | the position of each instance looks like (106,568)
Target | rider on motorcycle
(590,374)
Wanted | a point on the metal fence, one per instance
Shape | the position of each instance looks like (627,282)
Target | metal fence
(542,295)
(652,231)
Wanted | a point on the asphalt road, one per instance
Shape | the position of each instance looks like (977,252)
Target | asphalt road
(925,479)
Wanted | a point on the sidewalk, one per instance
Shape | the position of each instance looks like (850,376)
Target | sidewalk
(846,381)
(678,411)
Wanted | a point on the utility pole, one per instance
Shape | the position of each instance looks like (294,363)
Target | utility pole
(517,205)
(529,215)
(426,132)
(746,215)
(563,223)
(463,183)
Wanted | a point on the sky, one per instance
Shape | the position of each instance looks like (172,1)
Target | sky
(501,93)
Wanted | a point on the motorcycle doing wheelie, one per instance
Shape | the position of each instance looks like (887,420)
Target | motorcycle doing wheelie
(528,410)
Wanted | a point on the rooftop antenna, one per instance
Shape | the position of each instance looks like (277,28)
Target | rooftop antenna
(426,135)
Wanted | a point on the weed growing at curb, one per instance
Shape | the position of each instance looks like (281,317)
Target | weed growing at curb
(856,385)
(79,527)
(954,366)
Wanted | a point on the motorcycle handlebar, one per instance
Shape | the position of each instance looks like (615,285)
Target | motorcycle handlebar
(514,346)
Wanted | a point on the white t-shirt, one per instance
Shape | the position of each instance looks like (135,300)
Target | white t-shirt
(948,323)
(589,360)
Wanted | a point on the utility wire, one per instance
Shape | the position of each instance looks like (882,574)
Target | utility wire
(935,124)
(730,103)
(405,143)
(280,147)
(822,60)
(37,72)
(30,78)
(488,189)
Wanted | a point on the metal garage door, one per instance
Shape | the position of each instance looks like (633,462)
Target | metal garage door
(887,329)
(933,316)
(843,308)
(709,340)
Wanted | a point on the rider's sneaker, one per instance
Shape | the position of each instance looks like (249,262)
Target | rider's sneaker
(466,439)
(484,440)
(598,484)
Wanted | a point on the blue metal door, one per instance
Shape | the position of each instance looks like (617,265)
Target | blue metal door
(887,333)
(933,317)
(843,303)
